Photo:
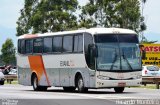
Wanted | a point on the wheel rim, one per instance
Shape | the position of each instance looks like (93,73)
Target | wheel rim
(80,83)
(35,82)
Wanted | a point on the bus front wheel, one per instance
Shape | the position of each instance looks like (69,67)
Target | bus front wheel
(35,85)
(119,89)
(80,85)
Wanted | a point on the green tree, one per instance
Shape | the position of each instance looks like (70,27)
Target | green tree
(39,16)
(1,62)
(8,52)
(112,13)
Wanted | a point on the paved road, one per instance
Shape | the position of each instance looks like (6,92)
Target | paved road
(24,95)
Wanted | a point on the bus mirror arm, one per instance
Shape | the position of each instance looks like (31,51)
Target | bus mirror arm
(94,50)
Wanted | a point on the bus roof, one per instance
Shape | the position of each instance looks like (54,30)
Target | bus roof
(91,30)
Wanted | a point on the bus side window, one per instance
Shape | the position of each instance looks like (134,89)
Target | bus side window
(88,40)
(22,47)
(57,44)
(37,45)
(19,46)
(28,46)
(67,43)
(47,45)
(78,43)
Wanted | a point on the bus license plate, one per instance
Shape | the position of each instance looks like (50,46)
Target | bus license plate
(121,84)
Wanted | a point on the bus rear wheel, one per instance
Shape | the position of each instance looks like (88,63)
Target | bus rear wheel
(35,85)
(80,85)
(119,89)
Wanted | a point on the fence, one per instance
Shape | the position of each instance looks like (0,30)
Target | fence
(10,78)
(151,80)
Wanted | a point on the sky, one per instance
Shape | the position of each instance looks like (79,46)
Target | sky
(10,11)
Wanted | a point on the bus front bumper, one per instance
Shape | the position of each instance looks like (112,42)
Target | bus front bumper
(117,83)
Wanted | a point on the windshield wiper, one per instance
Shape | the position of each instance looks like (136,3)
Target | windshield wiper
(124,57)
(114,61)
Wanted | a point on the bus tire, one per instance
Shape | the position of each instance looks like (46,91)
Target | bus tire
(2,83)
(69,89)
(35,85)
(80,85)
(43,88)
(119,89)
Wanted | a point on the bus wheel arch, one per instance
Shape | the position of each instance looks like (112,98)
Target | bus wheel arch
(79,83)
(35,83)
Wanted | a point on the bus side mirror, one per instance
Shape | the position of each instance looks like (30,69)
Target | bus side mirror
(92,54)
(93,50)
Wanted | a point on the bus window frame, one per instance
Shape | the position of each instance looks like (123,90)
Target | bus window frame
(78,34)
(66,52)
(19,46)
(52,36)
(25,47)
(51,46)
(39,53)
(55,52)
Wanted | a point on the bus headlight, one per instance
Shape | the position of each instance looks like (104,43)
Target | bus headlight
(103,77)
(138,77)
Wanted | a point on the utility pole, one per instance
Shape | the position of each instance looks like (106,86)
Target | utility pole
(142,21)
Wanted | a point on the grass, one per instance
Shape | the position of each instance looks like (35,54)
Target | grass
(148,86)
(13,82)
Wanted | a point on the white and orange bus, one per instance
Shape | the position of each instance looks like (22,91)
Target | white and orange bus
(83,59)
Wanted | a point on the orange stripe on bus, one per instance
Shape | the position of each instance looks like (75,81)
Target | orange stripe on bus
(37,65)
(30,36)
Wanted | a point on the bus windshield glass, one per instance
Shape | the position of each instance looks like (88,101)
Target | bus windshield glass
(117,52)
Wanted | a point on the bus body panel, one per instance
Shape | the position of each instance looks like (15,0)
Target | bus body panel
(62,75)
(24,76)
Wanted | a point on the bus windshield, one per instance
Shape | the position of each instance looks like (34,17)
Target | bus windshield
(118,52)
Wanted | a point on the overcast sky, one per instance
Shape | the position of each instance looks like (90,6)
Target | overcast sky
(9,13)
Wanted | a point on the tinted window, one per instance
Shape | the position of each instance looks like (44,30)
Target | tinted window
(103,38)
(19,46)
(87,40)
(57,44)
(132,38)
(76,39)
(67,43)
(109,38)
(22,46)
(29,46)
(37,45)
(47,45)
(78,43)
